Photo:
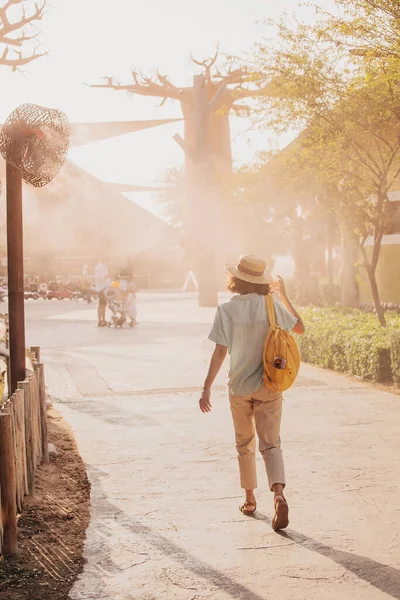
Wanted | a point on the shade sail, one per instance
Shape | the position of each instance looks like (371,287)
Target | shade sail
(87,133)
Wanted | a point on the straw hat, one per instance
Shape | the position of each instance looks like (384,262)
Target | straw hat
(251,268)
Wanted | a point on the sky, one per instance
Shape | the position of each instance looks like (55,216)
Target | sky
(90,39)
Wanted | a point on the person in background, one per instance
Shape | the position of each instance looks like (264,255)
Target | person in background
(127,284)
(131,302)
(102,282)
(240,328)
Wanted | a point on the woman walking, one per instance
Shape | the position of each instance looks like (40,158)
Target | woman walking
(240,328)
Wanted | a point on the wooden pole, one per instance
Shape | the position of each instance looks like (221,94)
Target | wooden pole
(36,353)
(43,412)
(201,196)
(20,437)
(29,439)
(21,426)
(15,262)
(8,485)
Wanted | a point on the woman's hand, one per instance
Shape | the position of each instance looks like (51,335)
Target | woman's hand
(278,286)
(204,402)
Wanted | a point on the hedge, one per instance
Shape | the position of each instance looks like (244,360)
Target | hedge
(352,341)
(395,356)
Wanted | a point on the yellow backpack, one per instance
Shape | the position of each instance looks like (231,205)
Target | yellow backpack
(281,355)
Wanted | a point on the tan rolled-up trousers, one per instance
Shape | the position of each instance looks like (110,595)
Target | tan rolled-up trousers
(261,412)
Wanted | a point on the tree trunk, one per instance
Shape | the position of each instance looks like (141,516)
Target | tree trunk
(375,295)
(220,140)
(371,270)
(208,252)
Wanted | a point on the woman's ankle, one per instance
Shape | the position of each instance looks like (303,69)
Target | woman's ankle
(250,497)
(278,488)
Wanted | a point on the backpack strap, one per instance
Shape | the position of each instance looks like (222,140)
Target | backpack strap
(269,302)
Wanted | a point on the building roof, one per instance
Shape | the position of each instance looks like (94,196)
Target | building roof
(78,214)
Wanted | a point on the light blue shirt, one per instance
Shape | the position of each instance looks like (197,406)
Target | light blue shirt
(241,324)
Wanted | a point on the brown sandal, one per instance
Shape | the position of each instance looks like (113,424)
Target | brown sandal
(245,508)
(281,517)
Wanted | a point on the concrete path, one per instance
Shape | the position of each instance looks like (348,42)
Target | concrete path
(165,495)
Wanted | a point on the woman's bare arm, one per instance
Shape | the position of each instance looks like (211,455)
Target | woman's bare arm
(280,287)
(216,362)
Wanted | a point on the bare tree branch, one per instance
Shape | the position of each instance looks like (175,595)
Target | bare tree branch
(165,81)
(267,90)
(235,76)
(13,33)
(208,64)
(18,41)
(144,86)
(159,86)
(18,60)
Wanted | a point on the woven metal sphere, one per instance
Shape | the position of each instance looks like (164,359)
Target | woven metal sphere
(35,139)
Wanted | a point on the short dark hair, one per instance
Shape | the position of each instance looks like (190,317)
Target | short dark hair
(238,286)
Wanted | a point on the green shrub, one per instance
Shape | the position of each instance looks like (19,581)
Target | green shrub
(395,356)
(349,341)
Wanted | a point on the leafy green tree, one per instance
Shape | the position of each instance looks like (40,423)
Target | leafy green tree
(364,27)
(351,121)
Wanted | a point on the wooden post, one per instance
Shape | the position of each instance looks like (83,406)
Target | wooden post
(8,357)
(1,530)
(15,266)
(36,421)
(21,402)
(11,406)
(36,352)
(8,485)
(39,369)
(201,198)
(29,441)
(21,473)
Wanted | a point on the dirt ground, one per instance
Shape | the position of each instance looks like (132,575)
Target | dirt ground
(51,530)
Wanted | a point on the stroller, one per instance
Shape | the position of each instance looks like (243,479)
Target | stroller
(121,301)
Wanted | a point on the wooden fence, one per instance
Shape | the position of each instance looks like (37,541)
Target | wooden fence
(23,447)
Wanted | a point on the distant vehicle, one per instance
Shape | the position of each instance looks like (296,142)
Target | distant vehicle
(60,294)
(29,295)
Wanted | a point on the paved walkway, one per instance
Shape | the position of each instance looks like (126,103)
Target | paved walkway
(165,519)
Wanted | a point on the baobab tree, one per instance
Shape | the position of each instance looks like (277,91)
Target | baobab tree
(16,19)
(206,108)
(225,91)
